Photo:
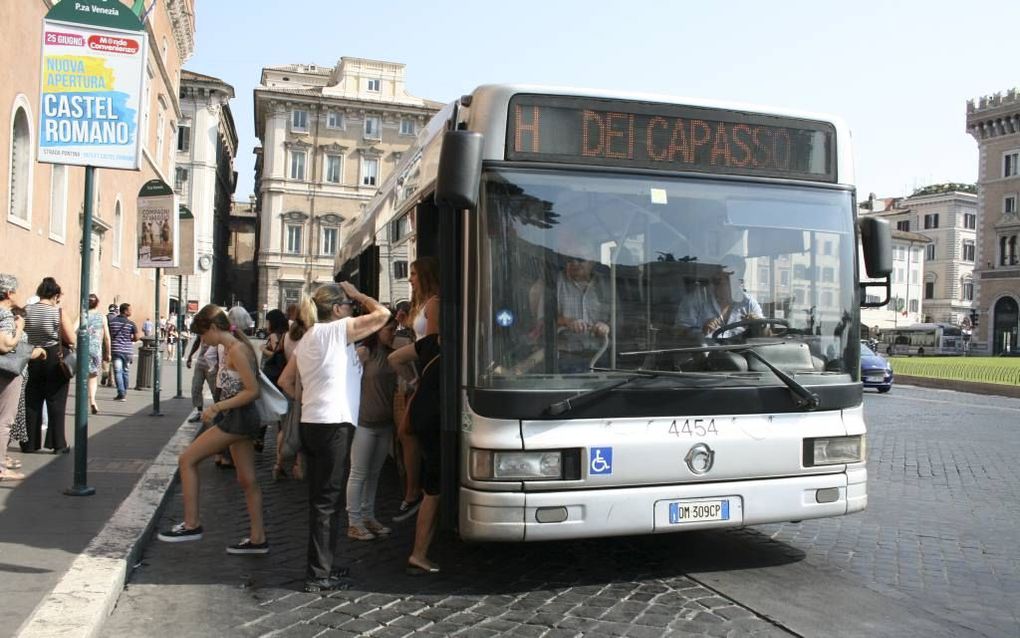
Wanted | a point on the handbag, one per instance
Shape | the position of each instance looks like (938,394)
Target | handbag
(271,404)
(13,363)
(67,358)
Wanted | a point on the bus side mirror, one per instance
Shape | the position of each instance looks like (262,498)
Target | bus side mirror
(460,170)
(876,242)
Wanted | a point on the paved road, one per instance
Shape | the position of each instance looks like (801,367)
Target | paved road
(931,556)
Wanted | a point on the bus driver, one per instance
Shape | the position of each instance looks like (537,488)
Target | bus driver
(709,307)
(582,316)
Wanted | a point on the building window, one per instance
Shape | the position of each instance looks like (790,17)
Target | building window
(299,121)
(828,275)
(375,85)
(929,290)
(334,119)
(931,221)
(160,125)
(913,305)
(400,228)
(58,203)
(118,234)
(293,239)
(968,250)
(180,179)
(372,127)
(784,278)
(333,169)
(406,126)
(1010,163)
(968,291)
(1009,204)
(903,225)
(184,138)
(898,276)
(369,172)
(763,275)
(297,164)
(1012,251)
(328,243)
(20,175)
(929,252)
(970,220)
(400,269)
(827,298)
(291,294)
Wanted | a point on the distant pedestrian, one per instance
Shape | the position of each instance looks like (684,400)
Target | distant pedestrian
(374,434)
(48,327)
(240,318)
(329,371)
(171,341)
(273,361)
(206,368)
(234,422)
(99,347)
(148,328)
(123,335)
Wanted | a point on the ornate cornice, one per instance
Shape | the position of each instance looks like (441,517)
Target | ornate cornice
(295,216)
(330,219)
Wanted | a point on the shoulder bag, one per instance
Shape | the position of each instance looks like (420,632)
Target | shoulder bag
(271,404)
(67,358)
(13,363)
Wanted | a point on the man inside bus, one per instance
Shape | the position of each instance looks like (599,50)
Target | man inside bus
(723,300)
(582,316)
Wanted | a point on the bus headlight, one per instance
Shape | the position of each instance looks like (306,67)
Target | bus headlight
(834,450)
(489,465)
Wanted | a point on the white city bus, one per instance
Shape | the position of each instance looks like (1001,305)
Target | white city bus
(578,232)
(924,339)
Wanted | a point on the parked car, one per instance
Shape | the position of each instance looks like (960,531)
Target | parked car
(876,370)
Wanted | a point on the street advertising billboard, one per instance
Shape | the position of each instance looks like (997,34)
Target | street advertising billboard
(93,79)
(186,246)
(158,226)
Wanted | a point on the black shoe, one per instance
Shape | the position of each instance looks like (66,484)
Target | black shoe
(180,534)
(317,585)
(248,547)
(340,572)
(120,397)
(196,417)
(407,510)
(64,450)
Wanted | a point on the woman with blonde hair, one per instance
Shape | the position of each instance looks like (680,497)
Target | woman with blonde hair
(327,366)
(234,422)
(424,320)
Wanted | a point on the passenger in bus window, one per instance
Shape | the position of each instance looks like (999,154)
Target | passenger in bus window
(720,301)
(582,317)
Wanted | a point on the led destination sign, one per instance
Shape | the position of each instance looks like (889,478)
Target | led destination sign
(668,137)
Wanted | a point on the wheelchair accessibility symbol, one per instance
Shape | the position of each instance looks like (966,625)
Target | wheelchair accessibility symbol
(600,460)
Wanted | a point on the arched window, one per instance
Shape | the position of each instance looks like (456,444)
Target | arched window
(20,175)
(118,234)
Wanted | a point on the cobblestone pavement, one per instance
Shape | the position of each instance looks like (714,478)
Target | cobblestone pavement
(936,538)
(942,524)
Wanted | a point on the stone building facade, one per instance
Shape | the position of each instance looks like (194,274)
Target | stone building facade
(42,209)
(329,138)
(204,179)
(994,122)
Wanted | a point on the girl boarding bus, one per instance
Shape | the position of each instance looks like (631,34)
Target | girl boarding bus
(650,310)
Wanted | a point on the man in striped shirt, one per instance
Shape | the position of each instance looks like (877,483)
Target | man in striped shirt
(123,335)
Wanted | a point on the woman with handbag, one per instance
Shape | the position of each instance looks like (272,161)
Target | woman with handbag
(328,368)
(50,329)
(99,347)
(274,358)
(234,422)
(14,356)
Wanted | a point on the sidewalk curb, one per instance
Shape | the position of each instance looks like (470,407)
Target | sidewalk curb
(994,389)
(85,596)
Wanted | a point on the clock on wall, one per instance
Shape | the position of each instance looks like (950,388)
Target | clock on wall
(205,262)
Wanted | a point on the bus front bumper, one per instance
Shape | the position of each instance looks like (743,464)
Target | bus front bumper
(515,516)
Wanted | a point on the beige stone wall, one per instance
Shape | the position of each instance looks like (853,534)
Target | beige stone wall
(38,248)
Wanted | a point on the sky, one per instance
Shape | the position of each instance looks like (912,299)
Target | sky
(899,72)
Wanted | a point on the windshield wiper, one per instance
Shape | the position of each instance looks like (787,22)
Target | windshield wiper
(802,396)
(584,398)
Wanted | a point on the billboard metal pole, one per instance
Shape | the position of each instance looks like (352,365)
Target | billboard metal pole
(81,391)
(180,332)
(155,357)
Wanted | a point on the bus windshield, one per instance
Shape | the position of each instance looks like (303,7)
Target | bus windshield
(583,275)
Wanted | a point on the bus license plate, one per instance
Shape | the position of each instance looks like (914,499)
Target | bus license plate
(681,512)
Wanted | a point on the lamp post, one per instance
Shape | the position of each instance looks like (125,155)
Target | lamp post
(973,326)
